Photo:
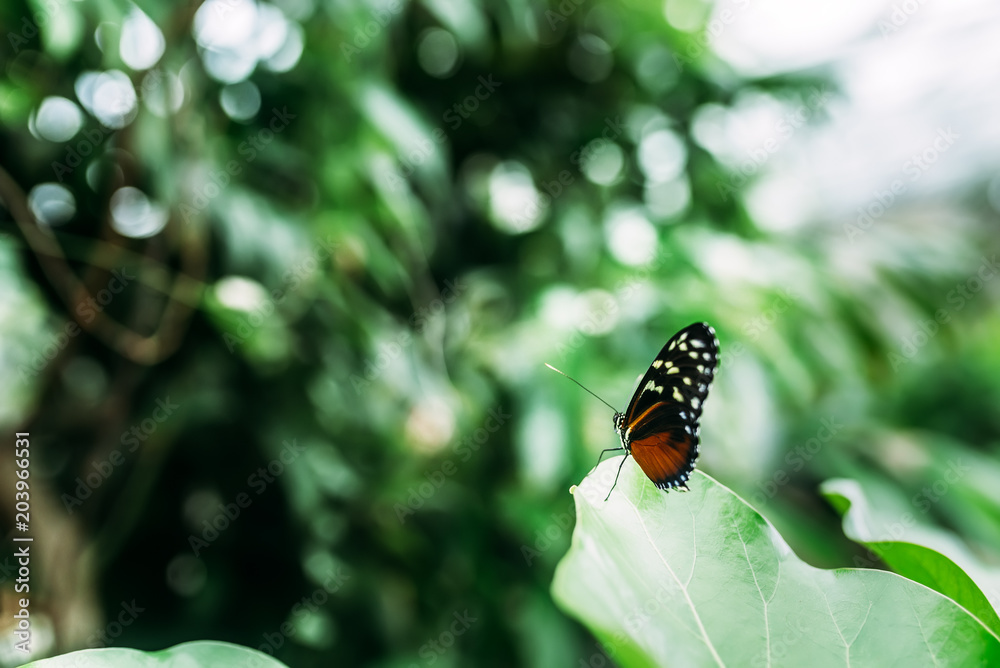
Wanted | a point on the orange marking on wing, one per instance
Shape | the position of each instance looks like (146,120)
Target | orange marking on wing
(634,422)
(663,458)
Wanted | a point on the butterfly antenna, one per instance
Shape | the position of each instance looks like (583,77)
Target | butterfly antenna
(581,385)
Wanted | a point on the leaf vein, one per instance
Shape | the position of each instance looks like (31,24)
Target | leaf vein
(760,592)
(687,596)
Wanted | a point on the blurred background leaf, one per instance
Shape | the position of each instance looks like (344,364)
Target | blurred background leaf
(931,556)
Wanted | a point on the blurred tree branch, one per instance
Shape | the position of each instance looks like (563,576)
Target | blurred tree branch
(184,290)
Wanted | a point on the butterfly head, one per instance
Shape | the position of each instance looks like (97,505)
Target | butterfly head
(619,421)
(620,427)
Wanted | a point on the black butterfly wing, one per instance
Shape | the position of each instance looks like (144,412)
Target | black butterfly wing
(661,422)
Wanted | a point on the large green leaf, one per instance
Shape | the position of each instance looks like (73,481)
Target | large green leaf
(199,654)
(929,555)
(702,579)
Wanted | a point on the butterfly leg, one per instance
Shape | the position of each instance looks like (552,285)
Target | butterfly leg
(607,450)
(616,476)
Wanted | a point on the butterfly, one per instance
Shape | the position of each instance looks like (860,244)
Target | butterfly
(660,426)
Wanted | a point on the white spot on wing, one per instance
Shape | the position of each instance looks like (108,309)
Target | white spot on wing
(657,364)
(673,344)
(651,386)
(693,355)
(683,347)
(677,395)
(695,402)
(704,356)
(673,369)
(697,343)
(687,381)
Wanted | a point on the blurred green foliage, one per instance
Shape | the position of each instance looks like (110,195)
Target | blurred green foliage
(372,268)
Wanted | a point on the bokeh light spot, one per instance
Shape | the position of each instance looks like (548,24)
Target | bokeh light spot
(52,203)
(515,205)
(286,57)
(631,237)
(662,155)
(437,52)
(134,215)
(239,293)
(109,96)
(430,425)
(142,43)
(668,199)
(603,165)
(240,101)
(162,93)
(58,119)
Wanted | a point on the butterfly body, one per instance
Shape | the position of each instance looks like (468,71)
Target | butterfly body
(660,426)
